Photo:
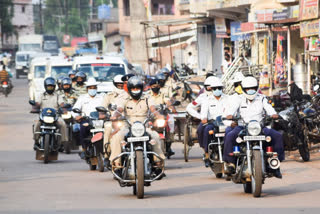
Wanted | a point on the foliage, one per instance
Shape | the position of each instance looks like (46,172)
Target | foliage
(6,14)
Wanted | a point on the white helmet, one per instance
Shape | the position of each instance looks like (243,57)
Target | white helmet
(207,82)
(238,77)
(215,82)
(250,83)
(117,79)
(91,82)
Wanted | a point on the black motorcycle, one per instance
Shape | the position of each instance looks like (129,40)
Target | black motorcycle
(255,159)
(49,135)
(137,159)
(5,88)
(72,129)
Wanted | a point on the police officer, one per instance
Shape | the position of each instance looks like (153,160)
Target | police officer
(69,96)
(87,103)
(50,99)
(59,83)
(165,89)
(80,88)
(210,110)
(135,109)
(72,76)
(251,106)
(117,96)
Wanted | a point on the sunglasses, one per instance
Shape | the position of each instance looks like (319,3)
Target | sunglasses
(215,88)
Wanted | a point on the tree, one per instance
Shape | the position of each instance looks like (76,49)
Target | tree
(6,14)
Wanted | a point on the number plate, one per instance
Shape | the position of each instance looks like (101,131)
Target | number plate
(220,135)
(254,138)
(96,130)
(138,139)
(48,127)
(5,86)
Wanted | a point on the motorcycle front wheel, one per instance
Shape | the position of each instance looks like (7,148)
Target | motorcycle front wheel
(46,146)
(140,175)
(257,175)
(100,162)
(304,149)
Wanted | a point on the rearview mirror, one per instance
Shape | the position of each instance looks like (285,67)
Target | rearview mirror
(101,109)
(176,103)
(112,107)
(76,110)
(32,102)
(177,88)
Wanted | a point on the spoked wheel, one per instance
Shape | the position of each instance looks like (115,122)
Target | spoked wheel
(257,175)
(100,162)
(186,143)
(140,175)
(46,146)
(303,148)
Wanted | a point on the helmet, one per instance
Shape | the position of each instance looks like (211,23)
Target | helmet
(83,77)
(135,82)
(91,82)
(207,83)
(59,81)
(162,79)
(126,77)
(66,81)
(250,87)
(154,81)
(49,85)
(215,82)
(165,71)
(117,80)
(72,72)
(238,77)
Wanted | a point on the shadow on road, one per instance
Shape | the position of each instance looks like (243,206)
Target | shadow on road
(292,189)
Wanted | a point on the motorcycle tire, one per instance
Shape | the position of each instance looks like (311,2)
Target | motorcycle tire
(46,146)
(186,143)
(304,151)
(100,163)
(67,147)
(257,174)
(140,174)
(247,187)
(134,189)
(219,175)
(6,92)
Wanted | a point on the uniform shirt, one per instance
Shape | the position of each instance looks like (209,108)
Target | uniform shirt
(213,107)
(69,98)
(80,90)
(113,98)
(50,100)
(88,104)
(136,110)
(158,99)
(198,102)
(251,110)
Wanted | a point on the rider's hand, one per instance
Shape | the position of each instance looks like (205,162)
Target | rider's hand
(229,117)
(78,117)
(174,110)
(275,116)
(234,124)
(204,121)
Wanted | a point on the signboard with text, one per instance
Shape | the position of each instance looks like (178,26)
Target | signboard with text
(309,28)
(309,9)
(221,28)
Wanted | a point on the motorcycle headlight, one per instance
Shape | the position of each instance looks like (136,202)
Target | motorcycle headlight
(137,129)
(97,124)
(254,128)
(48,119)
(160,123)
(222,129)
(66,116)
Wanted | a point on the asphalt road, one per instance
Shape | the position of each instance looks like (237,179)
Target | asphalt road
(67,185)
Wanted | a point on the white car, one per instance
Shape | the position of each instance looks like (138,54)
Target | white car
(59,66)
(102,68)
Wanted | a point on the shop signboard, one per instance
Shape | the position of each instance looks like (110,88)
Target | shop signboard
(280,14)
(309,9)
(309,28)
(264,15)
(221,28)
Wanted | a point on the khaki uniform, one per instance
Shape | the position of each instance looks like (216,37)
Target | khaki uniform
(51,101)
(134,111)
(69,98)
(168,87)
(158,99)
(80,89)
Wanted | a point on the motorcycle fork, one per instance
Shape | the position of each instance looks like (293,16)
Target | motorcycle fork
(262,158)
(220,150)
(249,157)
(132,160)
(145,158)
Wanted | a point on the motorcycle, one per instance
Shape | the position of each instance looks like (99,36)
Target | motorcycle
(255,159)
(137,159)
(94,151)
(5,88)
(215,148)
(49,135)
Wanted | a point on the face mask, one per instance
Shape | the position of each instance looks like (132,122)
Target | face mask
(251,92)
(80,83)
(92,92)
(155,90)
(67,90)
(136,92)
(238,89)
(217,93)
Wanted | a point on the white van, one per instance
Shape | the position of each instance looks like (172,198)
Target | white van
(59,66)
(102,68)
(36,76)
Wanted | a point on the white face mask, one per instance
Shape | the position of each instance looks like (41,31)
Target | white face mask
(136,92)
(92,92)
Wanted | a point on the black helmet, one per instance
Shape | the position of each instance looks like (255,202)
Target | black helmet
(83,77)
(59,81)
(162,79)
(135,82)
(126,77)
(154,81)
(66,81)
(49,81)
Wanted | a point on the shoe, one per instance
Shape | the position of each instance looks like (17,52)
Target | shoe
(36,146)
(170,153)
(207,162)
(61,148)
(106,163)
(82,155)
(277,173)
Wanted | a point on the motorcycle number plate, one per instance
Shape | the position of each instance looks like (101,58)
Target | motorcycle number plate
(96,130)
(5,86)
(254,138)
(138,139)
(220,135)
(48,127)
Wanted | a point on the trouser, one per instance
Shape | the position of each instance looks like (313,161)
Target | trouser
(231,136)
(115,143)
(203,135)
(60,124)
(106,137)
(84,133)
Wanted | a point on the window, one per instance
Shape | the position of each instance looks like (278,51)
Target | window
(23,9)
(126,7)
(162,7)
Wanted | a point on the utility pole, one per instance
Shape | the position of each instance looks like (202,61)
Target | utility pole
(40,11)
(67,13)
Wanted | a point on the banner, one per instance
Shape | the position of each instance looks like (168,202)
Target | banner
(221,28)
(235,28)
(309,9)
(309,28)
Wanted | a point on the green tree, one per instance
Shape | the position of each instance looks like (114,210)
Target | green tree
(6,14)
